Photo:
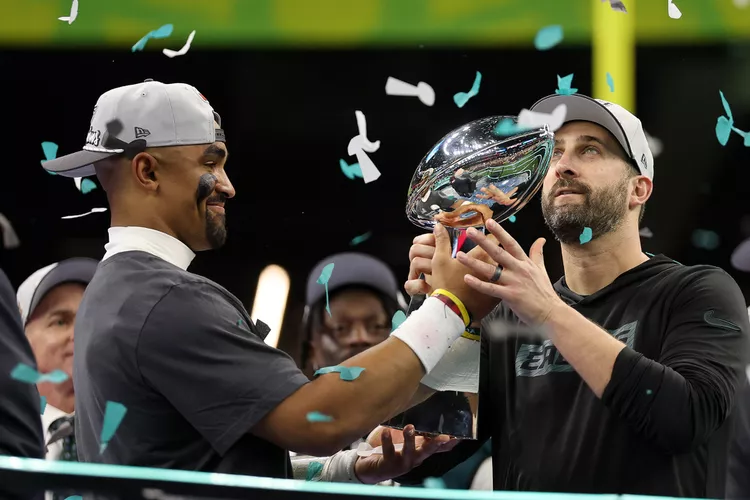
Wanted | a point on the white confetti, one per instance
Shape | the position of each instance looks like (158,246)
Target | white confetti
(73,13)
(674,11)
(357,148)
(654,144)
(93,211)
(534,119)
(10,238)
(183,50)
(425,93)
(367,145)
(646,233)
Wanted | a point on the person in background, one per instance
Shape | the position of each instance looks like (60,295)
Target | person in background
(48,300)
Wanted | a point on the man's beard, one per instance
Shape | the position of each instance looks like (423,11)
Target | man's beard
(216,229)
(603,211)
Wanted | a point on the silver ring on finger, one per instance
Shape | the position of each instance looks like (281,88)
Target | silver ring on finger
(496,275)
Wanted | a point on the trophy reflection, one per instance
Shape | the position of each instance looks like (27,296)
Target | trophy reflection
(468,177)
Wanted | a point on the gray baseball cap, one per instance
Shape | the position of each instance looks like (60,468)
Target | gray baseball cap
(350,269)
(150,114)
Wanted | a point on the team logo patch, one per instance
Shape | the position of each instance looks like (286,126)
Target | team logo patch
(94,137)
(141,132)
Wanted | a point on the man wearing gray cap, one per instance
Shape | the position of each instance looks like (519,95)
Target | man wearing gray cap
(362,296)
(201,388)
(49,300)
(622,377)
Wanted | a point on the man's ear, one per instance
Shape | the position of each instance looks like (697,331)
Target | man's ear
(642,189)
(145,169)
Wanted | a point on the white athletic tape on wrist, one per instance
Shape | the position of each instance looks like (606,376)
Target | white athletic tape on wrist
(458,370)
(429,331)
(340,468)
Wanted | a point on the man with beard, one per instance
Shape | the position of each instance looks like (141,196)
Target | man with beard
(201,388)
(628,383)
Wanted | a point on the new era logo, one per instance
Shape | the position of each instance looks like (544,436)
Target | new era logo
(141,132)
(643,160)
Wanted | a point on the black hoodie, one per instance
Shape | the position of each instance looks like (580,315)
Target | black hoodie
(663,424)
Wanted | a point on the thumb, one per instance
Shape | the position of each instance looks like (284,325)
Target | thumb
(442,241)
(536,252)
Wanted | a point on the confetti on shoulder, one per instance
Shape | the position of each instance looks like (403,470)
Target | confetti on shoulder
(347,373)
(397,319)
(113,414)
(316,416)
(93,211)
(173,53)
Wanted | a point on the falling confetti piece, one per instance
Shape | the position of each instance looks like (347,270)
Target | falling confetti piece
(161,32)
(73,13)
(654,144)
(723,130)
(313,470)
(316,416)
(646,233)
(359,146)
(610,82)
(75,497)
(42,404)
(649,392)
(50,151)
(674,12)
(563,85)
(507,127)
(347,373)
(325,275)
(173,53)
(617,5)
(705,239)
(586,235)
(10,238)
(113,414)
(548,37)
(461,98)
(350,171)
(367,145)
(360,239)
(535,119)
(434,483)
(25,373)
(84,185)
(93,211)
(397,319)
(512,218)
(425,93)
(727,109)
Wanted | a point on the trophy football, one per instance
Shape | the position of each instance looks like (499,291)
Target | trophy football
(471,175)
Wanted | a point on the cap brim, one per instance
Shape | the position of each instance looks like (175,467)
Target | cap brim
(80,164)
(583,108)
(76,270)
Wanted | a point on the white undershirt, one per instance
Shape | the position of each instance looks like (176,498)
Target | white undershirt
(162,245)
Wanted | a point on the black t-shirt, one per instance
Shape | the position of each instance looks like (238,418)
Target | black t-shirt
(181,353)
(665,420)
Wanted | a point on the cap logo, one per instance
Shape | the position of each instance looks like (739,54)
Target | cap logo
(141,132)
(643,161)
(94,137)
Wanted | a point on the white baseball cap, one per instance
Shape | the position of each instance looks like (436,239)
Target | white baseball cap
(620,122)
(32,291)
(150,114)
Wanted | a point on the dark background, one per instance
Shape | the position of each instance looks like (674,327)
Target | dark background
(289,115)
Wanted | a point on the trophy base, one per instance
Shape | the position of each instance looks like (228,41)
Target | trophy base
(449,412)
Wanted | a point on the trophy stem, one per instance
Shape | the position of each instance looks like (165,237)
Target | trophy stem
(460,240)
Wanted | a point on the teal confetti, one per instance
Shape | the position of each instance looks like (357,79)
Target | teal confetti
(548,37)
(87,185)
(360,239)
(347,373)
(649,392)
(705,239)
(316,416)
(585,236)
(239,322)
(25,373)
(350,171)
(512,218)
(42,404)
(75,497)
(461,98)
(563,85)
(727,109)
(325,275)
(610,82)
(161,32)
(397,319)
(507,127)
(50,153)
(434,483)
(113,414)
(313,470)
(723,130)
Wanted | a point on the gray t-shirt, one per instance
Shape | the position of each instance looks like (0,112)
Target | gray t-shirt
(181,353)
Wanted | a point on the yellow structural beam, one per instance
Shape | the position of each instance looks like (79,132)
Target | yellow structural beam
(613,48)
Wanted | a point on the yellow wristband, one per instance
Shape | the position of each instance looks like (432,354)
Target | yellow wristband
(461,307)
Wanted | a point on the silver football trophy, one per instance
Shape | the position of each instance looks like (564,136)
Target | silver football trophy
(472,174)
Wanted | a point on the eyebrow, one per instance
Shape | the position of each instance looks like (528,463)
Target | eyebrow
(214,150)
(584,138)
